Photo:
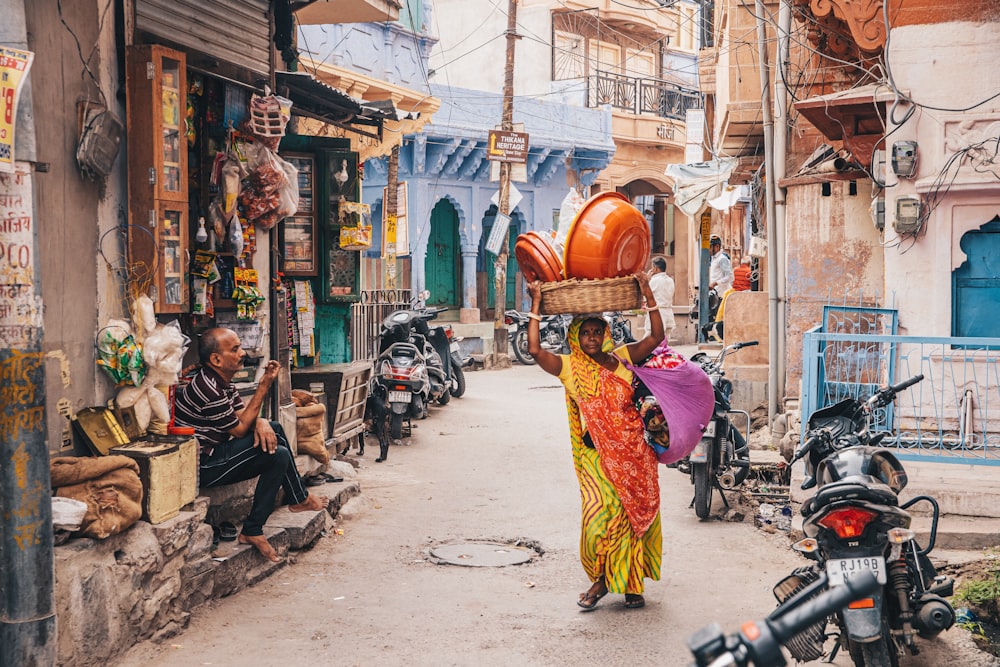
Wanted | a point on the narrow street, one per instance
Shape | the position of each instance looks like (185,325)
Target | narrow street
(492,466)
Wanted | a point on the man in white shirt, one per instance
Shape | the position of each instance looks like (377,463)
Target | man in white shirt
(720,272)
(662,286)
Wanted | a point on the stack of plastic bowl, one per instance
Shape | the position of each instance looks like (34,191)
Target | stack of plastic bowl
(608,238)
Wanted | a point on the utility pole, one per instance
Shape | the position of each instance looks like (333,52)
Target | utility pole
(391,216)
(507,124)
(27,573)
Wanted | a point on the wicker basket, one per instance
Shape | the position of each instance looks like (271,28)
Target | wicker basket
(590,296)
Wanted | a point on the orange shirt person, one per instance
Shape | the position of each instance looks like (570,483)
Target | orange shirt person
(741,275)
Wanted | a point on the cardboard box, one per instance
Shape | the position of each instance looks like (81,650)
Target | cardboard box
(168,469)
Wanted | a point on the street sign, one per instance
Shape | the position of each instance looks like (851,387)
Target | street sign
(507,146)
(500,225)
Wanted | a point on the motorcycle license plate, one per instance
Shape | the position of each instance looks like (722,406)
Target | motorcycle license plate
(841,569)
(709,430)
(400,397)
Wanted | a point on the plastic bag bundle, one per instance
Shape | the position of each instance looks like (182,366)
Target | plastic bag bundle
(272,192)
(119,354)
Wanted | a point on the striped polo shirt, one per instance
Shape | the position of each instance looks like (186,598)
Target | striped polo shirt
(209,404)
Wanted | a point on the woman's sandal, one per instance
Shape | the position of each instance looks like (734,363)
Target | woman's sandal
(634,601)
(588,601)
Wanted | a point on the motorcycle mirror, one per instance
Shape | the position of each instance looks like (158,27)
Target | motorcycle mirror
(424,295)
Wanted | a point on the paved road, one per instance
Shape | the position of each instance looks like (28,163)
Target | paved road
(495,466)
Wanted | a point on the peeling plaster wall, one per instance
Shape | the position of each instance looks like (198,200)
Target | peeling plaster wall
(69,208)
(951,66)
(833,256)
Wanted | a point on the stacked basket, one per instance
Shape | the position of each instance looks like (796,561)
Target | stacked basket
(607,242)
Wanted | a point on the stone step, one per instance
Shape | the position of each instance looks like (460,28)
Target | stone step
(240,565)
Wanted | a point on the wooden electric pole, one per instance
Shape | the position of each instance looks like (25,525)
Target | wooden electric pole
(507,124)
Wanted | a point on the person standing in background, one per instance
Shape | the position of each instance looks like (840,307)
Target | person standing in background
(720,272)
(662,286)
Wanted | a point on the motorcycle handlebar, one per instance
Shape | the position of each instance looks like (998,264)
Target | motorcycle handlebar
(749,343)
(758,643)
(896,388)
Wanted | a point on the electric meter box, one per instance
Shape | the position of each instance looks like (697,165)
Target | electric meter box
(907,219)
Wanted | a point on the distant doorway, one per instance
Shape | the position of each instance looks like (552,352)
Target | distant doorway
(976,283)
(441,269)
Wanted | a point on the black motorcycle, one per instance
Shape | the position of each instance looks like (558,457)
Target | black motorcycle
(552,332)
(722,459)
(855,523)
(620,327)
(759,643)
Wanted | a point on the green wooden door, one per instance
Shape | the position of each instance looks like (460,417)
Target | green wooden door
(489,263)
(441,262)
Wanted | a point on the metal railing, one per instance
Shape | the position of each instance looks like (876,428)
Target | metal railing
(366,318)
(947,417)
(642,95)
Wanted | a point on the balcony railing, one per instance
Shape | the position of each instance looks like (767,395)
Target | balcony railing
(642,96)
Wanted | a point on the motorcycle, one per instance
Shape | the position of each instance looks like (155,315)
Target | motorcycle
(551,330)
(759,643)
(620,327)
(458,362)
(722,459)
(855,523)
(714,302)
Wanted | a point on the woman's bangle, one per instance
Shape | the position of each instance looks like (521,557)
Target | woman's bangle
(535,317)
(649,309)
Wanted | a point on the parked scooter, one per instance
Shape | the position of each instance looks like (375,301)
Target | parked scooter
(722,459)
(552,331)
(402,369)
(855,523)
(759,643)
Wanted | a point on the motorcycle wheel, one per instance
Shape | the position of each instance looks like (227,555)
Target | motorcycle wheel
(396,426)
(701,472)
(457,388)
(444,398)
(874,654)
(521,348)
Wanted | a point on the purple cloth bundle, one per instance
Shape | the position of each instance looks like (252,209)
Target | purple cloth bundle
(685,396)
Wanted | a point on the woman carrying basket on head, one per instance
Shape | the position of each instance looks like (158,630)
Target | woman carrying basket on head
(620,540)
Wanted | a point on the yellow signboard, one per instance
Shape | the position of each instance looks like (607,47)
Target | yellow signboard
(14,65)
(706,228)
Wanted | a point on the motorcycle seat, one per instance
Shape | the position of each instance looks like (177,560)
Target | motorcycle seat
(870,490)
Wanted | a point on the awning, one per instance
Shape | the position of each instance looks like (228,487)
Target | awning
(314,99)
(856,116)
(321,12)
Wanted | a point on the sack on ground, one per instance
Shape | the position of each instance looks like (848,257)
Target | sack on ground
(309,420)
(110,487)
(675,399)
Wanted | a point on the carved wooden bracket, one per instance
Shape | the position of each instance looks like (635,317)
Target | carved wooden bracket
(846,27)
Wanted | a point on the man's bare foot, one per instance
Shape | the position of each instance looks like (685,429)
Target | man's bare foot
(312,503)
(260,543)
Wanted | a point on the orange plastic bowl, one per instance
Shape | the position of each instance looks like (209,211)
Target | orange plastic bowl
(536,258)
(609,238)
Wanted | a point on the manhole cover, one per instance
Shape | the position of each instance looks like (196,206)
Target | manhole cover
(482,554)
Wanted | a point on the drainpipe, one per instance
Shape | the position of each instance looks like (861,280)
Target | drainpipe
(780,164)
(27,575)
(773,304)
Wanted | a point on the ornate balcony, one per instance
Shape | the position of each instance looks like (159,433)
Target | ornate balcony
(641,96)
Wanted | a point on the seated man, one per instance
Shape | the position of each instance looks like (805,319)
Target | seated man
(235,445)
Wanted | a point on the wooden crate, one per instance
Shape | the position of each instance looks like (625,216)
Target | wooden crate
(346,389)
(168,469)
